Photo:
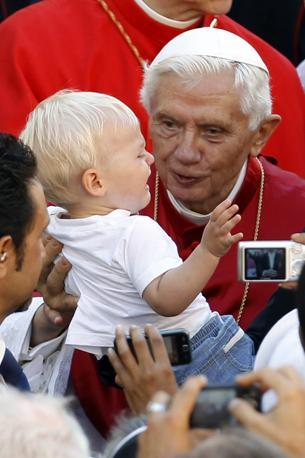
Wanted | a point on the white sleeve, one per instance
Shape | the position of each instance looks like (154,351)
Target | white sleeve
(16,332)
(273,338)
(147,252)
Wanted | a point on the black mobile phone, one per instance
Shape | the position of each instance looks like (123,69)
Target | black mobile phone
(177,343)
(211,408)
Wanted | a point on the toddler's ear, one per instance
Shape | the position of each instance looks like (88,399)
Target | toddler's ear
(93,183)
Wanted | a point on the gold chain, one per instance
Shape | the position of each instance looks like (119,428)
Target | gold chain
(256,230)
(123,32)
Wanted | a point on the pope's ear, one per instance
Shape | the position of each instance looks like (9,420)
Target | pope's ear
(263,133)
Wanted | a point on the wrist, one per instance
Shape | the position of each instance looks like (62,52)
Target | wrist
(43,327)
(207,253)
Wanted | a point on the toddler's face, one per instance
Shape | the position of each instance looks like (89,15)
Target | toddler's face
(126,169)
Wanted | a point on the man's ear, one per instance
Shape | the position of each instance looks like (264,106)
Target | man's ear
(93,183)
(263,133)
(7,255)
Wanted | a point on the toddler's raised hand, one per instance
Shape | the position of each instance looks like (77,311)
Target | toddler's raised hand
(217,237)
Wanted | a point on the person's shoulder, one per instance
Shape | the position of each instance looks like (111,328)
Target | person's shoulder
(277,177)
(47,17)
(288,324)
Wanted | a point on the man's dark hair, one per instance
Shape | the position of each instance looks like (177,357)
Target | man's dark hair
(17,210)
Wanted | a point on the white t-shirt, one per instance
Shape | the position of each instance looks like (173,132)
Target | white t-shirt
(114,258)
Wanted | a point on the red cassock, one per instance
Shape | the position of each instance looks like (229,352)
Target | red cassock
(58,44)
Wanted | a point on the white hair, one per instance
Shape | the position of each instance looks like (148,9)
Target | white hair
(252,82)
(38,426)
(65,131)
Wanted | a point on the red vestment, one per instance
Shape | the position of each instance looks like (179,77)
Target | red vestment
(58,44)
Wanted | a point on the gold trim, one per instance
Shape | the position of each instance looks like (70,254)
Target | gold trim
(256,230)
(123,32)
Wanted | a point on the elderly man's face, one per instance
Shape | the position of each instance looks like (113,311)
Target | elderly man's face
(200,137)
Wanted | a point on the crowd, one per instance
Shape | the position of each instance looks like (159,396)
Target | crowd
(160,139)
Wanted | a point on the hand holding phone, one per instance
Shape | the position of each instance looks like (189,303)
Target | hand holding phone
(211,408)
(142,375)
(177,344)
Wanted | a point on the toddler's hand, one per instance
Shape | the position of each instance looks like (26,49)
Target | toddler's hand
(217,237)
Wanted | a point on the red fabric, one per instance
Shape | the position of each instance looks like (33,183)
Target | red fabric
(282,214)
(101,403)
(57,44)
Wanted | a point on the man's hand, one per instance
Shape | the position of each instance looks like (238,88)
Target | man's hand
(58,308)
(143,373)
(299,238)
(285,423)
(168,433)
(217,237)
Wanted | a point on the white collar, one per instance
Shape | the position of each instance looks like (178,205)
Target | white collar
(165,20)
(198,218)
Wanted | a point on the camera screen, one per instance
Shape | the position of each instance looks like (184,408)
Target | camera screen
(265,264)
(217,399)
(172,349)
(211,409)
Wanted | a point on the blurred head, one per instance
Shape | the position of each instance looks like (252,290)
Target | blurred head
(38,426)
(23,217)
(88,144)
(207,115)
(237,443)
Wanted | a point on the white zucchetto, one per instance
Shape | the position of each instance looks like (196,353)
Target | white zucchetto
(209,41)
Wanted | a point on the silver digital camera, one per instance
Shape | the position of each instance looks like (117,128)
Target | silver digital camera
(267,261)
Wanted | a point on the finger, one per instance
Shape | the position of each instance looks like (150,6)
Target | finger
(292,375)
(52,250)
(228,215)
(220,209)
(162,398)
(229,225)
(118,381)
(251,419)
(141,348)
(184,401)
(288,285)
(61,319)
(298,237)
(56,278)
(125,355)
(122,377)
(266,378)
(157,344)
(237,237)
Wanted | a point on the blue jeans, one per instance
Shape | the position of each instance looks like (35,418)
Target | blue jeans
(220,351)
